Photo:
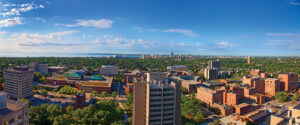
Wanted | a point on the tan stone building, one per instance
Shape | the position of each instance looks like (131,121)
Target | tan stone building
(19,82)
(13,112)
(156,102)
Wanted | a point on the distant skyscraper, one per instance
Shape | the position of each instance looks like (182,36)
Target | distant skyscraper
(156,101)
(18,82)
(143,56)
(249,60)
(214,64)
(172,55)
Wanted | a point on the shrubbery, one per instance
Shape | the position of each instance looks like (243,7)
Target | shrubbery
(104,113)
(68,90)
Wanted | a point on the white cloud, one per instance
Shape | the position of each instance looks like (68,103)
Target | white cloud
(40,19)
(26,8)
(284,34)
(42,6)
(224,44)
(9,5)
(21,8)
(25,39)
(26,4)
(101,23)
(10,22)
(183,31)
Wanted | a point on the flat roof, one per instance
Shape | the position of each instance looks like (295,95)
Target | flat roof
(257,115)
(12,106)
(275,120)
(242,105)
(96,83)
(297,107)
(190,82)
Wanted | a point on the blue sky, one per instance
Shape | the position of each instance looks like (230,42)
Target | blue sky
(204,27)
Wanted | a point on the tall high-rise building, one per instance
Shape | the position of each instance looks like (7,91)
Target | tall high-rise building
(171,55)
(42,68)
(157,101)
(249,61)
(214,64)
(210,73)
(19,82)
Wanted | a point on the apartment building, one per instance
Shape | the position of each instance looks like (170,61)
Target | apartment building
(256,82)
(288,81)
(272,86)
(19,82)
(214,64)
(210,96)
(157,102)
(210,73)
(13,112)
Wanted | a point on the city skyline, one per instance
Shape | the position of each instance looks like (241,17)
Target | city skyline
(238,28)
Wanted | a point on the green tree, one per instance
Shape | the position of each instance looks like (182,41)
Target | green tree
(44,92)
(130,98)
(295,97)
(114,94)
(104,94)
(281,96)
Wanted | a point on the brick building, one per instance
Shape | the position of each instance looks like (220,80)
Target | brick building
(209,96)
(225,110)
(190,85)
(231,98)
(255,82)
(256,72)
(272,86)
(288,81)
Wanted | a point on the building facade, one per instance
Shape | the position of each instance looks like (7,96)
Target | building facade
(109,70)
(272,86)
(288,81)
(157,102)
(13,112)
(214,64)
(42,68)
(19,82)
(210,73)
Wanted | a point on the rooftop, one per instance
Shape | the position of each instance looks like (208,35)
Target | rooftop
(275,120)
(75,75)
(100,78)
(12,106)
